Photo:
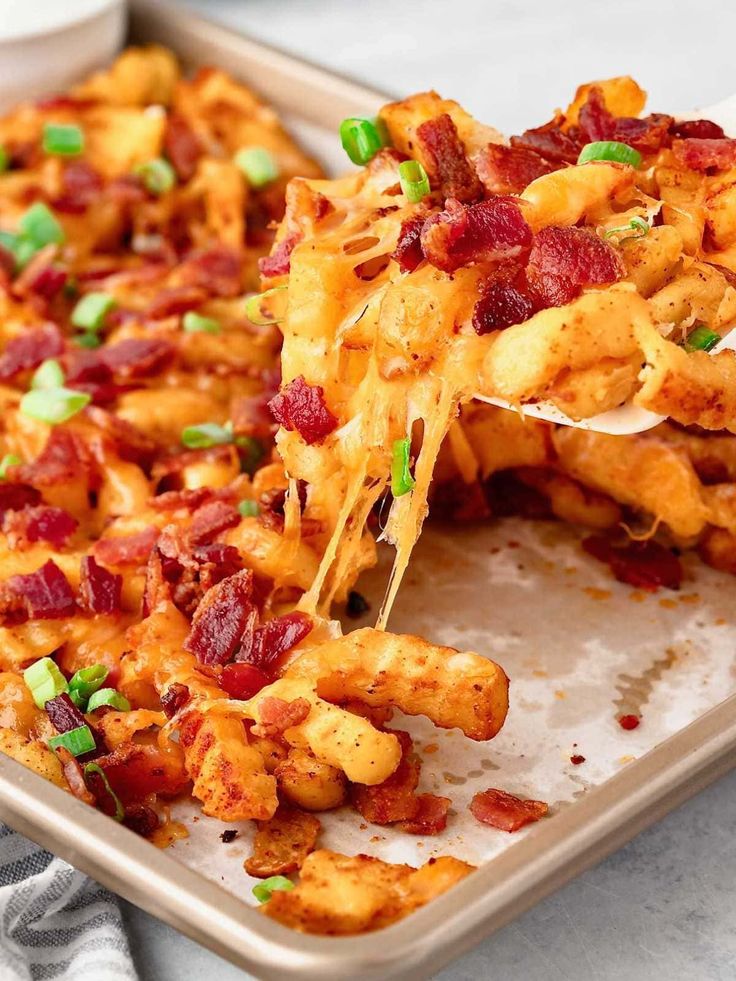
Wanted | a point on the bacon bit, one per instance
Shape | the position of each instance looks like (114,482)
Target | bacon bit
(80,186)
(137,770)
(644,565)
(269,643)
(99,589)
(64,714)
(127,190)
(228,835)
(211,519)
(444,156)
(188,499)
(597,123)
(504,811)
(141,819)
(42,523)
(697,129)
(300,406)
(126,549)
(130,443)
(460,235)
(174,699)
(29,349)
(45,594)
(182,146)
(216,270)
(15,497)
(704,154)
(242,681)
(577,760)
(250,416)
(501,305)
(75,776)
(86,366)
(408,252)
(394,799)
(629,722)
(138,357)
(40,276)
(550,142)
(217,562)
(64,459)
(563,260)
(509,169)
(175,300)
(279,262)
(431,816)
(282,844)
(276,716)
(222,618)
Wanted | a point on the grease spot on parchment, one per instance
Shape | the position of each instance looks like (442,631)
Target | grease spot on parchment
(635,690)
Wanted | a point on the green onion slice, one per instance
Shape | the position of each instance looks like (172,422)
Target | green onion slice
(9,460)
(40,226)
(361,138)
(158,175)
(95,768)
(205,435)
(53,405)
(49,374)
(45,681)
(401,479)
(267,308)
(4,159)
(62,140)
(251,453)
(108,696)
(195,323)
(701,339)
(275,883)
(414,180)
(258,165)
(89,340)
(86,681)
(249,509)
(636,228)
(90,312)
(78,741)
(612,151)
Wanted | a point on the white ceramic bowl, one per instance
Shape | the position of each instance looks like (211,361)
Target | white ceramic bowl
(46,45)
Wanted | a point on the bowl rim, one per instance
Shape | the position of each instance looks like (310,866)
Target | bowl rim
(60,28)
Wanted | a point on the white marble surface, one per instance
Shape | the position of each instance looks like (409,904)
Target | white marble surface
(664,906)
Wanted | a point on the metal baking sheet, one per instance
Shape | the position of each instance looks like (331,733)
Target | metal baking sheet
(580,650)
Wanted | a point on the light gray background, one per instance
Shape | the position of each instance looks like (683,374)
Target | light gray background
(665,906)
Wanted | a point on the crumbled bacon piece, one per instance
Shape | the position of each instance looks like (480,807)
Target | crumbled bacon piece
(141,819)
(300,406)
(504,811)
(41,523)
(126,549)
(394,799)
(597,123)
(15,497)
(182,146)
(276,716)
(216,270)
(174,699)
(563,260)
(175,300)
(550,142)
(268,644)
(629,722)
(279,262)
(65,458)
(430,818)
(444,156)
(138,357)
(697,129)
(408,252)
(44,594)
(704,154)
(41,277)
(130,443)
(644,565)
(187,498)
(490,230)
(99,589)
(576,759)
(29,349)
(509,169)
(221,620)
(501,305)
(241,680)
(80,186)
(211,519)
(64,714)
(74,776)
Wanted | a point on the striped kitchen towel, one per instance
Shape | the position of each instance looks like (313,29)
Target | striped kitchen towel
(55,923)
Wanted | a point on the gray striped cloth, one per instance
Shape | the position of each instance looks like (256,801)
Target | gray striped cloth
(55,923)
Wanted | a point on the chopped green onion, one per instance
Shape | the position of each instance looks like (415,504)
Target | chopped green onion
(21,248)
(71,287)
(195,323)
(257,307)
(401,478)
(251,453)
(206,434)
(108,696)
(49,374)
(90,340)
(9,460)
(249,509)
(414,180)
(53,405)
(637,228)
(701,339)
(40,226)
(44,680)
(158,175)
(91,310)
(257,164)
(86,681)
(63,141)
(361,138)
(610,150)
(97,769)
(4,159)
(78,741)
(274,883)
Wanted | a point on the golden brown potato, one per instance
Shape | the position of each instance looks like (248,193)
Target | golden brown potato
(34,754)
(308,783)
